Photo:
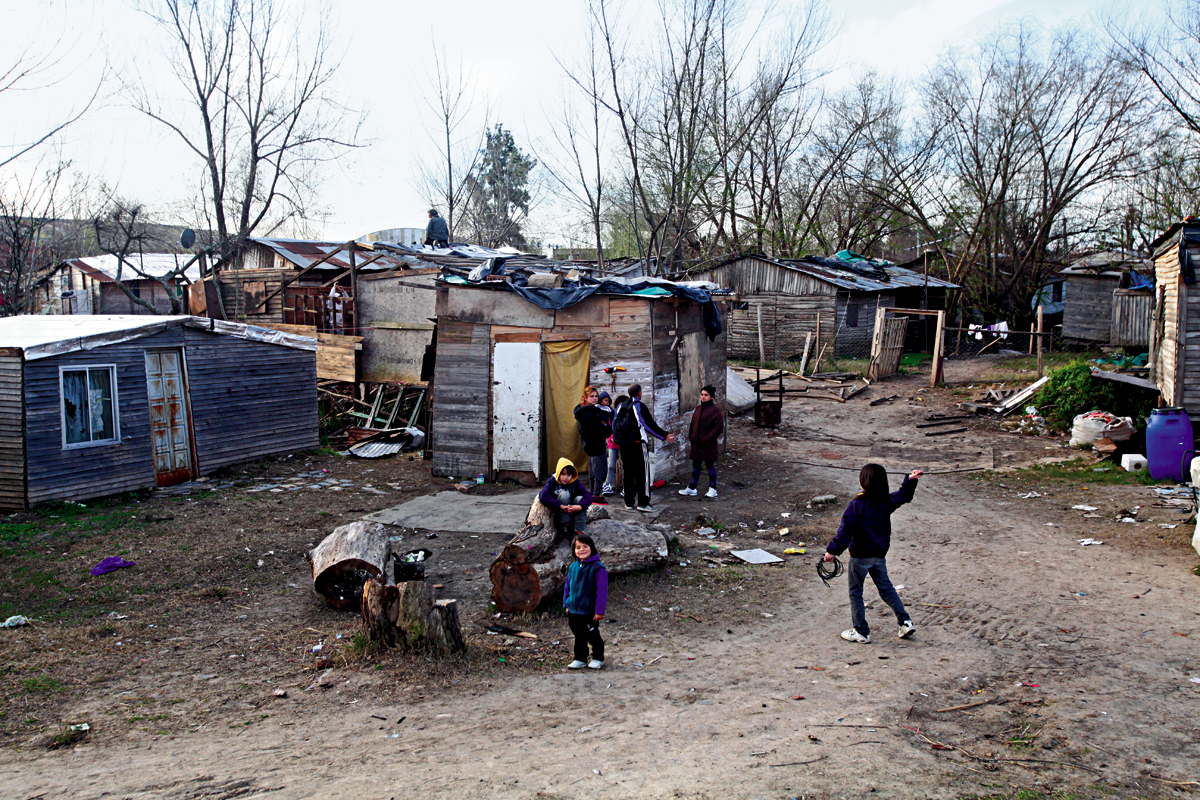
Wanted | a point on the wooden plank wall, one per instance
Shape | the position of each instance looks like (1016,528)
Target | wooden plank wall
(81,473)
(1189,377)
(249,399)
(12,430)
(752,276)
(624,343)
(1088,307)
(1166,272)
(785,320)
(462,383)
(855,342)
(242,290)
(1132,317)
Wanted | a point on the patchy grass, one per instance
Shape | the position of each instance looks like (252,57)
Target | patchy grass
(41,684)
(1083,470)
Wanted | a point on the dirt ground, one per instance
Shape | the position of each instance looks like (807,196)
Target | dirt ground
(1040,667)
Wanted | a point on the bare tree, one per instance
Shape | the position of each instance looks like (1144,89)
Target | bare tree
(122,231)
(453,103)
(261,113)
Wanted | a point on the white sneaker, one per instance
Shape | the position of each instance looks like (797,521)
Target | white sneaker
(594,664)
(851,635)
(688,492)
(607,489)
(907,629)
(710,493)
(576,665)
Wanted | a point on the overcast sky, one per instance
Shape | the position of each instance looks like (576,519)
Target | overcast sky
(388,47)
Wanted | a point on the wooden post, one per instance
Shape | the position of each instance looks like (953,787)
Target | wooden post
(353,291)
(807,344)
(936,377)
(817,365)
(1032,328)
(1039,342)
(761,357)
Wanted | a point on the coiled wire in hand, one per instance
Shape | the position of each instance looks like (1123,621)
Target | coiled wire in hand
(827,571)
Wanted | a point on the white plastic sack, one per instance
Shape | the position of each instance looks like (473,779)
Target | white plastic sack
(1100,425)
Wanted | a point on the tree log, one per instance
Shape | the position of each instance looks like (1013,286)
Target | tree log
(415,604)
(346,559)
(445,632)
(380,609)
(623,546)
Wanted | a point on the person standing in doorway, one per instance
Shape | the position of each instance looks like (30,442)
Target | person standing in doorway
(630,429)
(708,423)
(595,425)
(437,233)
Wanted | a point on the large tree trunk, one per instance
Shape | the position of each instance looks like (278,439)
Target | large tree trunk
(346,559)
(521,580)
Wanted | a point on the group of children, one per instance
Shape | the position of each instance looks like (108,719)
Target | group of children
(865,530)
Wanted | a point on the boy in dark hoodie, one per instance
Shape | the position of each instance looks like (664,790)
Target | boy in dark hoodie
(569,498)
(867,530)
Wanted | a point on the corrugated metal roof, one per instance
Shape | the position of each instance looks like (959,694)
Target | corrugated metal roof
(151,265)
(45,335)
(855,276)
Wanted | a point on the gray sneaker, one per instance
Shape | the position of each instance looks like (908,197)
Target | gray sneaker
(647,509)
(851,635)
(594,664)
(907,629)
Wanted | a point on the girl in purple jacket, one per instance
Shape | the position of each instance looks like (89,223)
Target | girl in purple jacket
(867,530)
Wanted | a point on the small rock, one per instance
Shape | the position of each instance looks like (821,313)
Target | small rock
(824,499)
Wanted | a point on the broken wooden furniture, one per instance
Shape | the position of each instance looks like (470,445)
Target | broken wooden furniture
(533,567)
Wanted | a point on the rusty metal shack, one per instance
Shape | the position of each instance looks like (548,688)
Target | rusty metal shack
(509,373)
(95,405)
(1175,330)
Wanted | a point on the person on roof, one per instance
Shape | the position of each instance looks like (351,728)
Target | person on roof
(568,498)
(437,233)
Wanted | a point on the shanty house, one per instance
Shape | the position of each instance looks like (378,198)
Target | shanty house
(781,301)
(94,405)
(90,285)
(1108,298)
(1175,330)
(509,371)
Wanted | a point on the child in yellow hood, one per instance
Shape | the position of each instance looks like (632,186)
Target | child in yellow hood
(569,498)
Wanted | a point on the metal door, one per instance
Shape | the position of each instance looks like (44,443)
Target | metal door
(516,406)
(170,422)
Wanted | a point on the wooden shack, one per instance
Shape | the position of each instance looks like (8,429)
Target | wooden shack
(509,373)
(1175,331)
(94,405)
(782,301)
(89,285)
(1106,301)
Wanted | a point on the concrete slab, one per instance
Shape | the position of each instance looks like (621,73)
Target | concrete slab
(502,513)
(455,511)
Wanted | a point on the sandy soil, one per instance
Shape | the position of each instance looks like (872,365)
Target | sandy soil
(1073,669)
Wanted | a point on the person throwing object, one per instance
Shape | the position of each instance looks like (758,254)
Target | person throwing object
(867,530)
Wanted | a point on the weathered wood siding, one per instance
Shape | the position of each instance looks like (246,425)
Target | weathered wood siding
(1169,360)
(1132,316)
(461,390)
(12,430)
(1191,361)
(855,341)
(243,290)
(1088,307)
(114,301)
(248,400)
(785,321)
(748,276)
(624,342)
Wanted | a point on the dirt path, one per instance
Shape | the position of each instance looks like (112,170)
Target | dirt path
(1078,664)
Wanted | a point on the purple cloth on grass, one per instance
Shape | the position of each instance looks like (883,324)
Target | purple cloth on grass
(111,564)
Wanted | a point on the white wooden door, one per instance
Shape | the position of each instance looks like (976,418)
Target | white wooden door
(516,406)
(170,431)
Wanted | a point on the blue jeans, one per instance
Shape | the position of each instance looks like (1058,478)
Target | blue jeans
(576,520)
(857,574)
(613,455)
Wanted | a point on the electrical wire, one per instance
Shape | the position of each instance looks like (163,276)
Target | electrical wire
(856,469)
(827,573)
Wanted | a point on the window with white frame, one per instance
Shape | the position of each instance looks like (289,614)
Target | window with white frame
(89,405)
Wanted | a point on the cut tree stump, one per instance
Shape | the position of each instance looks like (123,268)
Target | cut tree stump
(445,632)
(346,559)
(380,609)
(515,584)
(409,615)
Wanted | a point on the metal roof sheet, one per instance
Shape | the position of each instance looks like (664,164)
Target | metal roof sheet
(848,275)
(149,265)
(45,335)
(304,252)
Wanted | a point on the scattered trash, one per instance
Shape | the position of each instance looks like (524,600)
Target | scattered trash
(281,692)
(784,531)
(703,531)
(785,514)
(794,551)
(111,564)
(1178,491)
(115,615)
(1094,425)
(1083,508)
(756,556)
(431,536)
(766,615)
(801,697)
(1029,495)
(317,648)
(261,562)
(823,500)
(1086,542)
(1132,462)
(1127,519)
(1167,525)
(1194,680)
(16,621)
(82,727)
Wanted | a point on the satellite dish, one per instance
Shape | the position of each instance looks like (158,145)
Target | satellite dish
(187,238)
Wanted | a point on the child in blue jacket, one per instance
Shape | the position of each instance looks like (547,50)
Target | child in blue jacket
(867,530)
(585,597)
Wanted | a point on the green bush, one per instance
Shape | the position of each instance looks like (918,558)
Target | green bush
(1072,391)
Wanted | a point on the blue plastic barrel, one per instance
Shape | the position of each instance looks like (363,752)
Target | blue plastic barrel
(1168,437)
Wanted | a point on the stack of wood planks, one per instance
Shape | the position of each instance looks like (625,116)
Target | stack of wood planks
(836,386)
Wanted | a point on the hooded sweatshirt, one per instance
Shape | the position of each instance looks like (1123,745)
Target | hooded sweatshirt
(867,522)
(556,495)
(586,591)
